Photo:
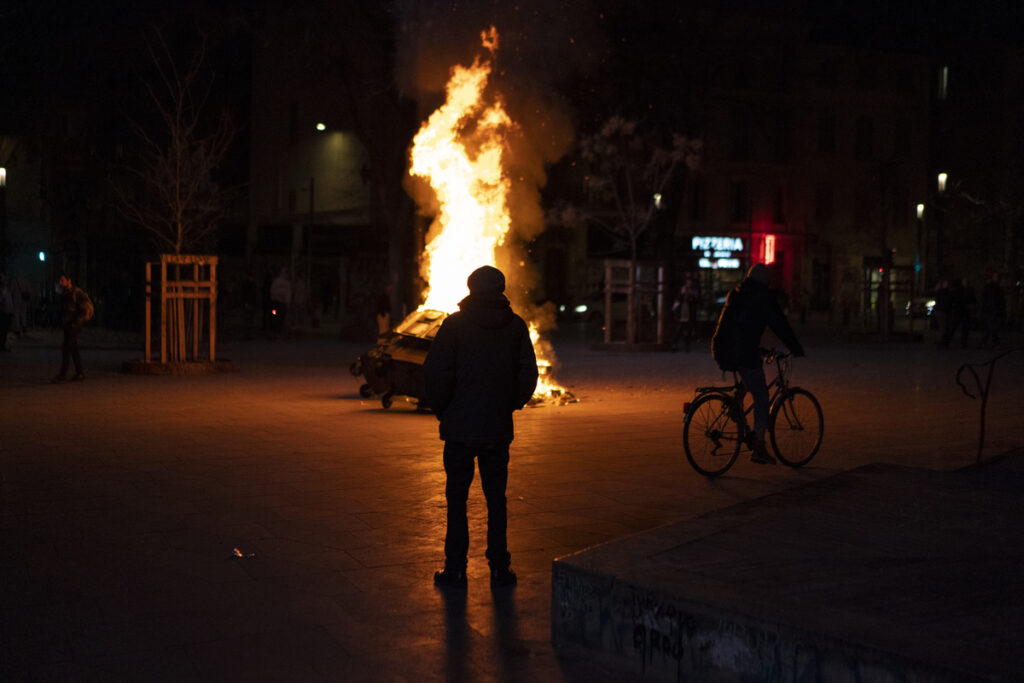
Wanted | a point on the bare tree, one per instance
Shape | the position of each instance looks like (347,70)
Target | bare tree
(628,170)
(172,193)
(170,190)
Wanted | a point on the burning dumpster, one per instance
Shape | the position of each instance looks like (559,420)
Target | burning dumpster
(395,365)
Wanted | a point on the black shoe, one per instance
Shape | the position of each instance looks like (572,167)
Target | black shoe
(57,379)
(761,455)
(450,577)
(500,578)
(78,378)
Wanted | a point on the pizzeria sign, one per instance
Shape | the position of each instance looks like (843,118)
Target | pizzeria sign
(718,252)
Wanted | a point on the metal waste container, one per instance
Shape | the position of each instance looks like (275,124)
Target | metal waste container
(395,366)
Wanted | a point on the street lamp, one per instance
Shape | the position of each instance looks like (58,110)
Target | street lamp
(917,256)
(942,182)
(3,216)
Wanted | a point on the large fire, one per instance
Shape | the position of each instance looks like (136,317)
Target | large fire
(460,151)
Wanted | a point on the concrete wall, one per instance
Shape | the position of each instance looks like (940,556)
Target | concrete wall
(658,637)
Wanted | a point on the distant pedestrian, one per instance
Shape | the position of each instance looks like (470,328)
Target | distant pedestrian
(6,312)
(280,300)
(78,310)
(20,293)
(480,369)
(943,309)
(685,310)
(993,310)
(964,305)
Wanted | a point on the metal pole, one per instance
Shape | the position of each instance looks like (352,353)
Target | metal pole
(309,238)
(149,307)
(3,218)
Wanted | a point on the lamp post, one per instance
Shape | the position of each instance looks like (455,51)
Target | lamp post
(939,221)
(918,264)
(3,217)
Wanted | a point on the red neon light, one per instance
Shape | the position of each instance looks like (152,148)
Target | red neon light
(769,249)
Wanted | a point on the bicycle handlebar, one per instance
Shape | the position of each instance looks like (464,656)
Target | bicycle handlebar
(772,355)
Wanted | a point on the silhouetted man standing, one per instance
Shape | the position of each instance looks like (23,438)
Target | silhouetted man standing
(78,310)
(480,369)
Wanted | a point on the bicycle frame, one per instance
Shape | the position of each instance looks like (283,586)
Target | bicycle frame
(777,388)
(716,422)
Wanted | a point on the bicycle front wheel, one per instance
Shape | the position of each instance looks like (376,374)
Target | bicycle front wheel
(796,426)
(712,435)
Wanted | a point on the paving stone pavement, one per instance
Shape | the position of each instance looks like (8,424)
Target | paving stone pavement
(123,498)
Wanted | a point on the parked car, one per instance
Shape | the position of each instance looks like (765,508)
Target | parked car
(920,307)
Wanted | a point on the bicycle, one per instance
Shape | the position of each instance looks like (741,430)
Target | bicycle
(715,425)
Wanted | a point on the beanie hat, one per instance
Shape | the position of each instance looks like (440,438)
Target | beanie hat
(486,280)
(759,272)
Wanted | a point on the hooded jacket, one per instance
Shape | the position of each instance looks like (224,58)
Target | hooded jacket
(748,310)
(480,369)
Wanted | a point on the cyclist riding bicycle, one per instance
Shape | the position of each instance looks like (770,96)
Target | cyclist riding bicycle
(748,310)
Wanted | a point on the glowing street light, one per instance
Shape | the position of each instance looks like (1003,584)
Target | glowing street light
(321,127)
(3,206)
(920,211)
(942,182)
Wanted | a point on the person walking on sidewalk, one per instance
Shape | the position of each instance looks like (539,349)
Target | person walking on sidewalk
(685,310)
(749,309)
(6,311)
(964,305)
(78,310)
(993,310)
(480,369)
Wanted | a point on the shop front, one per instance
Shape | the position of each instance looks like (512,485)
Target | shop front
(720,262)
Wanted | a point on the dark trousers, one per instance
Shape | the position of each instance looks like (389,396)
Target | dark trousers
(69,350)
(755,382)
(992,325)
(458,466)
(5,327)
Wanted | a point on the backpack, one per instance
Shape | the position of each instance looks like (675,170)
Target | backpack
(85,304)
(723,343)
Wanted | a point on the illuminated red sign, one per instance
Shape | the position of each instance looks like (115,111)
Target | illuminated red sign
(769,249)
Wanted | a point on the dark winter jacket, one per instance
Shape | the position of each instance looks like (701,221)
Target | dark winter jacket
(77,307)
(480,368)
(748,310)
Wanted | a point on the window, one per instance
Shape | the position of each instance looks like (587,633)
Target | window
(698,201)
(827,132)
(739,197)
(293,124)
(904,134)
(862,204)
(900,206)
(823,204)
(867,77)
(783,138)
(779,215)
(744,77)
(865,138)
(828,73)
(739,141)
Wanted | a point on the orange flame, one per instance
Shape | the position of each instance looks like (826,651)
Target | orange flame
(472,190)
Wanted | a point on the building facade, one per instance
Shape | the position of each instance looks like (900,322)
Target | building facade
(815,159)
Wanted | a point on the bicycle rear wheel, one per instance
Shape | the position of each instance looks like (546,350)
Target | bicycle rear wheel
(796,426)
(712,435)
